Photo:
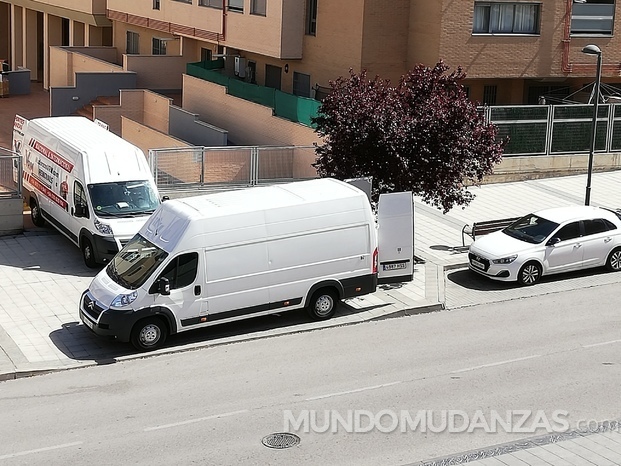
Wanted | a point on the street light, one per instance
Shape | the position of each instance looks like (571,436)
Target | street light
(593,50)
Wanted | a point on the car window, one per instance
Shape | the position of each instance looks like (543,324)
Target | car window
(531,228)
(597,225)
(569,231)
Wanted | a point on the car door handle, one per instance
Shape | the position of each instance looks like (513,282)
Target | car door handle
(607,239)
(578,245)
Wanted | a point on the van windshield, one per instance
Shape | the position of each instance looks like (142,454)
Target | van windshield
(123,198)
(135,263)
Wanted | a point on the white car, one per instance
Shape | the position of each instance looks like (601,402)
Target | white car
(549,241)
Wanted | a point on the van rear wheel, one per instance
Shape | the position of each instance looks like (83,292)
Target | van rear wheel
(322,304)
(149,334)
(35,214)
(88,253)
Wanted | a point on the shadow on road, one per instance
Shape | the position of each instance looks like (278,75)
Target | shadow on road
(79,343)
(473,281)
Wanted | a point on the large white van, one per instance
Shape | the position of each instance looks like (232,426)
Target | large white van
(204,260)
(88,183)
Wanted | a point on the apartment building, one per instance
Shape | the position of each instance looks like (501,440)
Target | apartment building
(513,51)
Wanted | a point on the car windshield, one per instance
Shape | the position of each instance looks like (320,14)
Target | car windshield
(123,198)
(531,229)
(135,263)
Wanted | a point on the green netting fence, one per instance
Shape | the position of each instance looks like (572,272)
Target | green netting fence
(289,106)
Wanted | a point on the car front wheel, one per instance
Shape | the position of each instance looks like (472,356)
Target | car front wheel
(529,274)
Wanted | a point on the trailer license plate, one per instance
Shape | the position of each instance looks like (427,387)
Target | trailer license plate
(398,266)
(477,264)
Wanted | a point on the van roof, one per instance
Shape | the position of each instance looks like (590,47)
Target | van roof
(273,196)
(110,158)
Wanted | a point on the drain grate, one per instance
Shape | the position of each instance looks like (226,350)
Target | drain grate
(280,440)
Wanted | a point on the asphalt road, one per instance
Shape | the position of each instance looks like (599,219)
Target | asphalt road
(213,406)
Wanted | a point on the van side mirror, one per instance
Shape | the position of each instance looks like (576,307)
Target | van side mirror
(553,241)
(165,198)
(164,286)
(80,210)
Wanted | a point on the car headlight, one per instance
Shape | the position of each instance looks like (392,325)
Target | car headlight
(505,260)
(124,299)
(103,228)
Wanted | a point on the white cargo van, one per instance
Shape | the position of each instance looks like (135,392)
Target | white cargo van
(91,185)
(204,260)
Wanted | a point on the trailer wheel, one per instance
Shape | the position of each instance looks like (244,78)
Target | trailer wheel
(35,214)
(88,254)
(322,304)
(149,334)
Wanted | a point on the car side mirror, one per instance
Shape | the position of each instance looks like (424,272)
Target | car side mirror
(553,241)
(165,198)
(164,286)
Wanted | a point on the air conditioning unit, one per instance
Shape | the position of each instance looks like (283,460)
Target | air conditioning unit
(240,67)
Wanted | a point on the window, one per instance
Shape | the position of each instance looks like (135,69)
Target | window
(156,4)
(592,17)
(506,18)
(159,47)
(311,17)
(79,197)
(132,47)
(236,5)
(301,84)
(598,225)
(259,7)
(181,271)
(184,1)
(65,26)
(570,231)
(489,95)
(211,3)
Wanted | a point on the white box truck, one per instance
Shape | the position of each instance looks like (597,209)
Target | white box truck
(88,183)
(205,260)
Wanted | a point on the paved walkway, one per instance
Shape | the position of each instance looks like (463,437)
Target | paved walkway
(42,277)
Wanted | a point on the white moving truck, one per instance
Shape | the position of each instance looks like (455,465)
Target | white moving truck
(88,183)
(222,257)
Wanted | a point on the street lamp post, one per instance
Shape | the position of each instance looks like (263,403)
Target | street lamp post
(593,50)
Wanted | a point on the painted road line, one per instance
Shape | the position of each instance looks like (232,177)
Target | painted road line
(493,364)
(357,390)
(601,344)
(193,421)
(39,450)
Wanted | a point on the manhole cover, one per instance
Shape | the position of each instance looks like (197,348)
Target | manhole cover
(280,440)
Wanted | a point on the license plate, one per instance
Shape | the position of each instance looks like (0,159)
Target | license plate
(477,264)
(398,266)
(87,322)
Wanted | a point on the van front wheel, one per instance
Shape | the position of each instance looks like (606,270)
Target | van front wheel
(88,253)
(149,334)
(322,304)
(35,214)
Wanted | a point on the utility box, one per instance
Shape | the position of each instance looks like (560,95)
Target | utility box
(240,67)
(395,217)
(4,86)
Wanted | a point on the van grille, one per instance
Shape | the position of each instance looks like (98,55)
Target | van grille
(91,308)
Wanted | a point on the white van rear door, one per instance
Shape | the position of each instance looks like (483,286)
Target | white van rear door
(395,218)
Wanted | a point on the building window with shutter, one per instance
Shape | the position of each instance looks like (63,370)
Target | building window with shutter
(259,7)
(311,17)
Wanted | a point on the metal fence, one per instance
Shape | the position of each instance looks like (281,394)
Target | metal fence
(556,129)
(184,171)
(10,174)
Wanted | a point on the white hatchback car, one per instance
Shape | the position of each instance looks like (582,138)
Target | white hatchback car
(550,241)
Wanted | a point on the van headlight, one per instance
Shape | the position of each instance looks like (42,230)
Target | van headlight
(103,228)
(505,260)
(123,300)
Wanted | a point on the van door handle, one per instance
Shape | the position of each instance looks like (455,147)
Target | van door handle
(197,290)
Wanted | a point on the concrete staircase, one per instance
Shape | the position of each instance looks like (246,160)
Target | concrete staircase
(87,110)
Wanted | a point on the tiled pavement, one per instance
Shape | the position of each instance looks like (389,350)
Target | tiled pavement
(42,277)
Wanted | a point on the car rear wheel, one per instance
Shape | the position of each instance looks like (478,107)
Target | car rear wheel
(529,274)
(613,263)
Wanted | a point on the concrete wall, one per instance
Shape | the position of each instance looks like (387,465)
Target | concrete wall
(247,123)
(157,72)
(11,216)
(89,86)
(187,126)
(67,63)
(131,105)
(147,138)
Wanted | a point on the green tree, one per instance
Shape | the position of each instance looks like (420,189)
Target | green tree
(424,135)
